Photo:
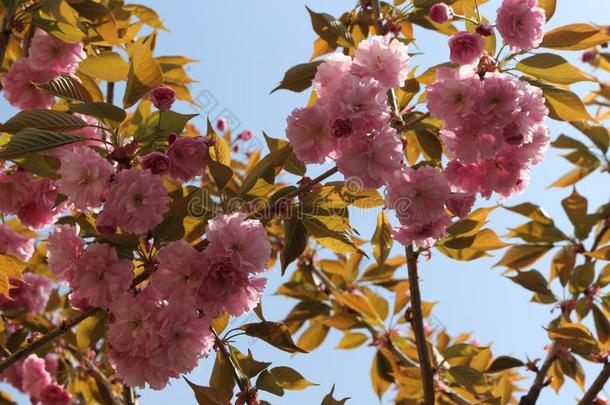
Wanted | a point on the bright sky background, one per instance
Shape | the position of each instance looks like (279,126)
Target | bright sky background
(244,48)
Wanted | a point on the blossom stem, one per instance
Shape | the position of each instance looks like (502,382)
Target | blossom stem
(9,14)
(110,92)
(597,385)
(417,323)
(46,338)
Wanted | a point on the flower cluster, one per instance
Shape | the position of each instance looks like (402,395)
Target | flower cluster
(162,330)
(36,377)
(350,122)
(493,128)
(48,58)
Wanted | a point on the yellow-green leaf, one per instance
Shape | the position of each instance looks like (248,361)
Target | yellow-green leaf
(575,37)
(290,379)
(107,66)
(549,7)
(10,267)
(552,68)
(352,340)
(144,72)
(382,239)
(521,256)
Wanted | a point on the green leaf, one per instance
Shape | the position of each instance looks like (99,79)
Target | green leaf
(221,379)
(295,241)
(563,264)
(563,104)
(39,164)
(106,66)
(380,374)
(220,173)
(602,325)
(552,68)
(313,336)
(206,395)
(535,232)
(532,280)
(144,72)
(468,378)
(575,336)
(582,276)
(90,331)
(598,134)
(461,350)
(566,142)
(583,158)
(337,241)
(290,379)
(502,363)
(293,164)
(532,211)
(382,239)
(42,119)
(67,87)
(250,367)
(572,177)
(274,333)
(267,382)
(575,37)
(352,340)
(330,29)
(601,253)
(299,77)
(104,111)
(360,304)
(266,169)
(35,140)
(521,256)
(575,207)
(329,400)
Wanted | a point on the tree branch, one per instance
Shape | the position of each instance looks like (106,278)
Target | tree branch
(417,323)
(597,385)
(110,92)
(534,392)
(48,337)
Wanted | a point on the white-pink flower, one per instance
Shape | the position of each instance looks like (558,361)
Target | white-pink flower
(330,72)
(35,376)
(15,244)
(48,52)
(383,59)
(179,272)
(310,135)
(135,202)
(84,177)
(20,86)
(15,190)
(521,23)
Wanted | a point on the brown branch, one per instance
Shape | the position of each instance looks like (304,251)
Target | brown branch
(417,323)
(110,92)
(129,395)
(539,382)
(46,338)
(5,30)
(597,385)
(410,124)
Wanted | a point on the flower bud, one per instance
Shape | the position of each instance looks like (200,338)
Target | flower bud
(221,124)
(156,162)
(162,97)
(588,56)
(440,13)
(485,30)
(245,135)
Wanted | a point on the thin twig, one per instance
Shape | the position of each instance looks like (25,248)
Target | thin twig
(417,323)
(539,382)
(110,92)
(410,124)
(46,338)
(115,400)
(597,385)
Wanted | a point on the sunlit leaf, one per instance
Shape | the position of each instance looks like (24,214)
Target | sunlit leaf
(502,363)
(42,119)
(274,333)
(382,238)
(10,267)
(299,77)
(207,395)
(533,281)
(67,87)
(575,37)
(290,379)
(35,140)
(521,256)
(330,29)
(352,340)
(552,68)
(107,66)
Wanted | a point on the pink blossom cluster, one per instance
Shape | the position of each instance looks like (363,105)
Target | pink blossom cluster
(420,198)
(30,294)
(162,330)
(350,122)
(493,129)
(521,24)
(48,58)
(36,377)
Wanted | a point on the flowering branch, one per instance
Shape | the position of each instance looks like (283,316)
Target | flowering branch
(597,385)
(48,337)
(417,323)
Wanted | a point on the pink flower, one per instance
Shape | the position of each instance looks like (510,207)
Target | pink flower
(15,190)
(55,394)
(423,234)
(418,196)
(452,97)
(466,178)
(84,177)
(440,13)
(506,174)
(461,203)
(179,271)
(533,110)
(185,338)
(102,277)
(500,100)
(533,151)
(221,124)
(13,243)
(136,370)
(89,132)
(162,97)
(31,294)
(156,162)
(39,210)
(471,144)
(330,72)
(35,376)
(136,201)
(64,247)
(371,159)
(382,59)
(245,135)
(187,158)
(48,52)
(14,375)
(521,23)
(225,288)
(20,86)
(242,240)
(466,48)
(310,134)
(360,100)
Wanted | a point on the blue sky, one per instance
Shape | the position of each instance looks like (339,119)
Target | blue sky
(244,48)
